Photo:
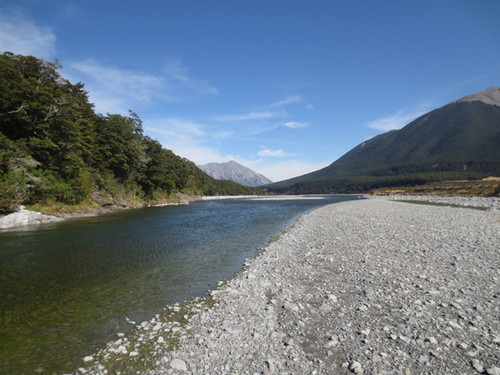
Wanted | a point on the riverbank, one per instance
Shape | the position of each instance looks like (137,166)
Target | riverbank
(487,187)
(25,217)
(370,286)
(100,205)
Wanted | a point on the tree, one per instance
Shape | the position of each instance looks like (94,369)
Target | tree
(119,145)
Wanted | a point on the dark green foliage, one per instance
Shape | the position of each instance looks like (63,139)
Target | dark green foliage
(457,141)
(119,145)
(55,148)
(158,171)
(13,191)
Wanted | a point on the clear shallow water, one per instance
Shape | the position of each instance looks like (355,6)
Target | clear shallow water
(66,288)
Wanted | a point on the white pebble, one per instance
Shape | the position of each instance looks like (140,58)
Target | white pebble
(178,364)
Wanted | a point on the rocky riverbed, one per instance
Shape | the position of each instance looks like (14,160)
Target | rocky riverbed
(364,287)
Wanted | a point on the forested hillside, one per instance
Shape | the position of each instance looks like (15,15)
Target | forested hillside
(55,148)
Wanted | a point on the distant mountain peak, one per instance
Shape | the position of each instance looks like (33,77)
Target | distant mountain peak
(236,172)
(488,96)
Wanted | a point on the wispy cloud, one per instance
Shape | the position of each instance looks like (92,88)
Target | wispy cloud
(285,169)
(399,119)
(250,116)
(178,74)
(20,35)
(130,88)
(286,101)
(273,153)
(295,124)
(194,140)
(175,126)
(140,86)
(187,139)
(176,70)
(183,137)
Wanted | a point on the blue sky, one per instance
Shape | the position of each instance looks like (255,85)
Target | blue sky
(282,87)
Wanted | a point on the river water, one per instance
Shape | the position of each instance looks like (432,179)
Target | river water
(66,288)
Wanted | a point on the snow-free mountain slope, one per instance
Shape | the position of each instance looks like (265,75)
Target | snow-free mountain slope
(234,172)
(488,96)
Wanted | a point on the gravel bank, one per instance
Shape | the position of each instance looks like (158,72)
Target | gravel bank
(363,287)
(490,203)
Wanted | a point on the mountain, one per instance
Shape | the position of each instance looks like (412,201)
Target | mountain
(234,172)
(458,141)
(488,96)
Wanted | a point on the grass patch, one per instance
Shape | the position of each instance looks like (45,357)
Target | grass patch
(55,208)
(429,203)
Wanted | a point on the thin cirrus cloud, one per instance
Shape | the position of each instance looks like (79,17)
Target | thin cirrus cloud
(128,87)
(186,138)
(250,116)
(273,153)
(125,87)
(284,169)
(176,127)
(22,36)
(178,74)
(273,110)
(139,86)
(286,101)
(295,124)
(181,136)
(399,119)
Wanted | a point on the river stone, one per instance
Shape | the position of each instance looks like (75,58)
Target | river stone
(454,324)
(291,306)
(26,217)
(178,364)
(356,367)
(332,298)
(432,340)
(478,366)
(325,307)
(423,359)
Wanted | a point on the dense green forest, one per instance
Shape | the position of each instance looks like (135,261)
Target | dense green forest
(55,148)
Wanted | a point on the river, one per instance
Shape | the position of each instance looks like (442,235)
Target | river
(66,288)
